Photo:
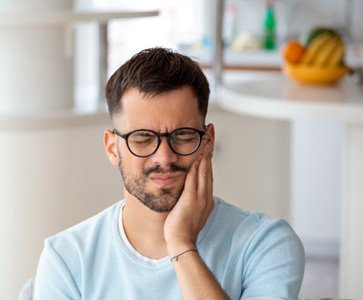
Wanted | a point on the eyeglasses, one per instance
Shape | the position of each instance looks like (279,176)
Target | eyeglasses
(182,141)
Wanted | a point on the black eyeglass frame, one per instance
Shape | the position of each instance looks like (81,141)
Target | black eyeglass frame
(159,136)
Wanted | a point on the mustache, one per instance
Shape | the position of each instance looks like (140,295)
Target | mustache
(173,168)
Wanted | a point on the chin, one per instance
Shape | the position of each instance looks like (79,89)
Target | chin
(163,200)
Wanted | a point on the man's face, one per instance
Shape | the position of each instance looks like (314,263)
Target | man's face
(158,180)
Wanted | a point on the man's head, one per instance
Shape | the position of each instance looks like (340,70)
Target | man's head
(154,71)
(150,98)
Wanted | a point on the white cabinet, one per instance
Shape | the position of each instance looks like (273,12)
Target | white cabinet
(251,162)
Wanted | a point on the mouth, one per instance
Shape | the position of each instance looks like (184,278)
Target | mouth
(165,180)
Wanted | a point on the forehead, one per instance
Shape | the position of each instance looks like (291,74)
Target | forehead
(163,112)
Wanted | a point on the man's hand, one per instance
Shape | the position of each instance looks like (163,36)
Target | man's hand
(183,225)
(191,212)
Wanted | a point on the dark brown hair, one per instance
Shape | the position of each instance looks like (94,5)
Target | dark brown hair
(154,71)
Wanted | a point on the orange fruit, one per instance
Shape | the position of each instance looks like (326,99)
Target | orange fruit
(292,51)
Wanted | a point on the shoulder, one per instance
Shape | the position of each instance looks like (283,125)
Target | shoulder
(250,233)
(81,236)
(237,220)
(268,252)
(67,255)
(253,224)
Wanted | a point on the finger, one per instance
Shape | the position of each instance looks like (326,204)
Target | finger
(205,173)
(191,183)
(210,173)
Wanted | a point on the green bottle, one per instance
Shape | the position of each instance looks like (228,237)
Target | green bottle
(269,38)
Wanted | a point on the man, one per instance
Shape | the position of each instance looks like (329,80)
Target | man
(169,238)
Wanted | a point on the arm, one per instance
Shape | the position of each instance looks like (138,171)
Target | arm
(183,226)
(53,279)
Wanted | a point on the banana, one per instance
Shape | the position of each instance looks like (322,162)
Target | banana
(337,57)
(314,48)
(325,52)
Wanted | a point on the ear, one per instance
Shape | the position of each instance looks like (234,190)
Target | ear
(110,144)
(211,135)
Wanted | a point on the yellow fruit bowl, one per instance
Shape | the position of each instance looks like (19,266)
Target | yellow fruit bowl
(315,75)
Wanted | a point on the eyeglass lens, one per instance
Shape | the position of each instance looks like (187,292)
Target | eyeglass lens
(183,141)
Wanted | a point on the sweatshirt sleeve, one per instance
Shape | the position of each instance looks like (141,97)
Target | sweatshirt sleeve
(274,262)
(54,279)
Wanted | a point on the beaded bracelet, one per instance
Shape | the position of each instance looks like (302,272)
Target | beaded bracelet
(175,258)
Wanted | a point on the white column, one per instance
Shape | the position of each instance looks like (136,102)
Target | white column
(36,72)
(351,260)
(316,185)
(36,77)
(53,174)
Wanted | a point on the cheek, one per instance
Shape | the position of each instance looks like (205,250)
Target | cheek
(134,167)
(130,163)
(187,161)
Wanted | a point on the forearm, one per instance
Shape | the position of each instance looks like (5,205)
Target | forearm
(182,228)
(195,280)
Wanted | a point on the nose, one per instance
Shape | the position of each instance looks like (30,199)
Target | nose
(164,155)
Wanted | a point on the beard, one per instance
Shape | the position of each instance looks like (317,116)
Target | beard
(164,199)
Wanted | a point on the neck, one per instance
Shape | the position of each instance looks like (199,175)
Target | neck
(144,228)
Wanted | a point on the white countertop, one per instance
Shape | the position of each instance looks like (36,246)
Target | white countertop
(68,16)
(53,119)
(276,96)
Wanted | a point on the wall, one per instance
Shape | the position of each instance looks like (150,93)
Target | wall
(249,153)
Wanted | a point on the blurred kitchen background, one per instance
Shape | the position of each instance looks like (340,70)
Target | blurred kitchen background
(55,57)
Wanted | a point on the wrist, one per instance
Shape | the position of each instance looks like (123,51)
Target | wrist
(176,257)
(175,249)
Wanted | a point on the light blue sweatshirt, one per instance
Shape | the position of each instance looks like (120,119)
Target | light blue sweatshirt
(249,254)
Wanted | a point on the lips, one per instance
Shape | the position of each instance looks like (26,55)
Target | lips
(164,179)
